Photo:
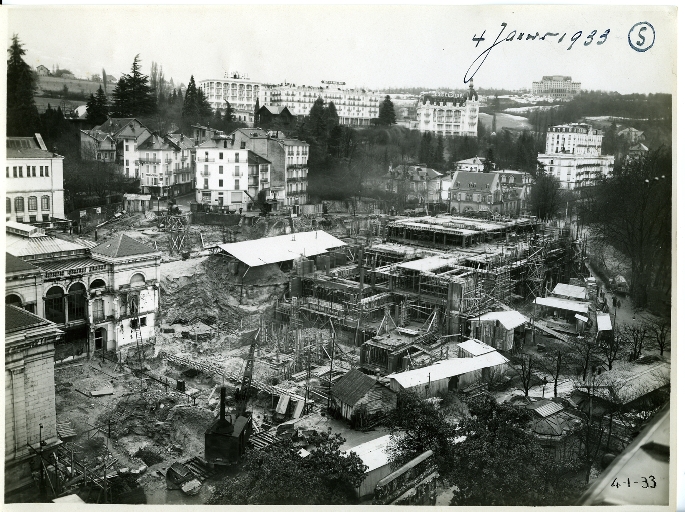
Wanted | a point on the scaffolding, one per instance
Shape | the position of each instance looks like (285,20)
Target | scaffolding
(177,228)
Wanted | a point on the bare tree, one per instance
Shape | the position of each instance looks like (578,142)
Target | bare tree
(523,364)
(553,364)
(660,333)
(636,336)
(584,352)
(611,346)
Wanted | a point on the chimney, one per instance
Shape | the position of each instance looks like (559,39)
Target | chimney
(222,404)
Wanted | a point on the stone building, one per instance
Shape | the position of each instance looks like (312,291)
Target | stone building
(30,418)
(103,296)
(449,114)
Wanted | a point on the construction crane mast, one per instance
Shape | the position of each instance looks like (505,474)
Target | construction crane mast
(243,393)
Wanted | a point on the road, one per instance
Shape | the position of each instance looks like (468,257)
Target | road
(183,202)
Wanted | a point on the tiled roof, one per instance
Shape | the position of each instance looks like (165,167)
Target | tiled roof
(471,161)
(482,180)
(17,319)
(352,386)
(14,264)
(121,246)
(114,125)
(415,172)
(154,142)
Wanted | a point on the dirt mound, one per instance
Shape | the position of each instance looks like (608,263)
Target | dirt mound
(210,293)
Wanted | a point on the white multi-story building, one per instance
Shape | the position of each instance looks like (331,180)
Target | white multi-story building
(556,87)
(449,114)
(241,92)
(573,154)
(34,181)
(355,107)
(574,138)
(576,171)
(296,171)
(164,165)
(226,172)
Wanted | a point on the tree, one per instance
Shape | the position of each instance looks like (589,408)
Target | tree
(229,113)
(631,211)
(498,461)
(438,159)
(386,112)
(191,112)
(132,96)
(523,364)
(204,108)
(22,114)
(257,121)
(489,163)
(417,425)
(660,330)
(545,198)
(611,346)
(279,475)
(97,110)
(635,337)
(553,363)
(583,354)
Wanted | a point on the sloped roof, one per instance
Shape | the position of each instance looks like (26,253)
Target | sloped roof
(509,319)
(121,246)
(254,158)
(26,147)
(565,304)
(275,249)
(274,109)
(603,322)
(154,142)
(569,290)
(475,347)
(115,125)
(14,264)
(17,319)
(351,387)
(471,161)
(624,384)
(372,453)
(551,419)
(24,246)
(482,180)
(446,369)
(414,173)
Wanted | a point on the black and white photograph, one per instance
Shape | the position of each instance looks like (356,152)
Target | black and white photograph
(349,255)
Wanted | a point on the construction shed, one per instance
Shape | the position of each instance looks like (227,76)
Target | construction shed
(374,456)
(499,329)
(451,374)
(473,348)
(359,397)
(283,248)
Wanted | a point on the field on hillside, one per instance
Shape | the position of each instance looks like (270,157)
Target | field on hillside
(505,121)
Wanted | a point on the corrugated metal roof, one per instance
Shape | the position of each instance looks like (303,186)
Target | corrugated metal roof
(352,387)
(569,290)
(565,304)
(546,408)
(20,246)
(509,319)
(275,249)
(373,453)
(447,369)
(62,265)
(603,322)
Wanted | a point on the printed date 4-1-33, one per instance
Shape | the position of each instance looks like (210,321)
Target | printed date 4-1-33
(646,482)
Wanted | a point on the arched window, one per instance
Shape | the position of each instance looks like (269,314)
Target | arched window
(76,301)
(54,305)
(45,203)
(14,300)
(19,204)
(33,203)
(97,283)
(137,280)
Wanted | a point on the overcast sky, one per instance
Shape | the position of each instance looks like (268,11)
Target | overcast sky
(374,46)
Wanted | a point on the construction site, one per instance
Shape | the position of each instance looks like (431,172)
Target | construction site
(259,321)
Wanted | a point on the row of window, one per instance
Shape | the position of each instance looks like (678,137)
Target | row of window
(32,204)
(31,172)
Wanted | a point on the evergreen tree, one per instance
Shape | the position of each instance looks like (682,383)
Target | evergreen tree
(257,121)
(96,108)
(120,99)
(318,120)
(203,107)
(22,114)
(386,112)
(439,156)
(425,149)
(494,122)
(190,108)
(132,96)
(217,120)
(331,117)
(229,113)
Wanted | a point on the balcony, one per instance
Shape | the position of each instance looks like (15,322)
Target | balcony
(204,174)
(168,160)
(146,160)
(297,166)
(206,186)
(205,159)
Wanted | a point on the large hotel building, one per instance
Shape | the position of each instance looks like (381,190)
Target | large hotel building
(449,114)
(556,87)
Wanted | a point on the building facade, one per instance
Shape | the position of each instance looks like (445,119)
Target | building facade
(296,171)
(577,171)
(97,294)
(574,138)
(355,107)
(34,181)
(416,182)
(236,88)
(449,115)
(482,192)
(165,165)
(556,87)
(30,417)
(475,164)
(229,175)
